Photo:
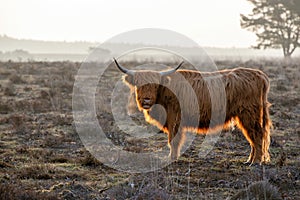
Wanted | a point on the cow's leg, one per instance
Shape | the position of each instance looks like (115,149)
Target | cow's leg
(251,155)
(175,143)
(241,125)
(175,136)
(251,127)
(258,144)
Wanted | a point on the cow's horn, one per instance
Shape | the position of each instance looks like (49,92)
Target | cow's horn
(165,73)
(123,69)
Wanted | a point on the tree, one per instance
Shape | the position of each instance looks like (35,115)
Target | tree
(276,24)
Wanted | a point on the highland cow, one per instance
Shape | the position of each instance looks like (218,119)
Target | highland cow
(245,103)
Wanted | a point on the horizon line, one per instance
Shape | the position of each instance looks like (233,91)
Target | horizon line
(98,42)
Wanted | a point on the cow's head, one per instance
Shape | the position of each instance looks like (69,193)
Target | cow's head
(145,83)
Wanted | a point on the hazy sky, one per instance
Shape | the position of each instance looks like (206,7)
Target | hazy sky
(208,22)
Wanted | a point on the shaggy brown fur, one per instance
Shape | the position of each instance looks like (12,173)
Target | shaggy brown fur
(245,102)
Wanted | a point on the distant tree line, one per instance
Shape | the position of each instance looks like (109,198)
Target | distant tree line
(16,55)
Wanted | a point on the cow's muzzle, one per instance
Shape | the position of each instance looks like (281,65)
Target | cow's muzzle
(146,103)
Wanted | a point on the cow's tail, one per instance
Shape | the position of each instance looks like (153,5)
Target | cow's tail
(266,121)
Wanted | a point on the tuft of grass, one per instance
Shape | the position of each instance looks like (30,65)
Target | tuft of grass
(147,189)
(40,171)
(5,165)
(5,109)
(90,160)
(259,190)
(16,79)
(59,159)
(22,149)
(150,192)
(12,191)
(10,91)
(281,160)
(17,122)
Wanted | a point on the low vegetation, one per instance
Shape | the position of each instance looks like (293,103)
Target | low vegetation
(42,156)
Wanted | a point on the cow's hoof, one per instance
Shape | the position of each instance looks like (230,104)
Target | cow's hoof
(255,165)
(173,158)
(248,163)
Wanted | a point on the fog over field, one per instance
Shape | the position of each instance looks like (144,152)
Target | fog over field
(21,49)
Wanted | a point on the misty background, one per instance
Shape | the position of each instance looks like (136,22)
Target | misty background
(70,30)
(38,50)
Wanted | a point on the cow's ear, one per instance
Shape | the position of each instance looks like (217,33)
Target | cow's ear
(128,79)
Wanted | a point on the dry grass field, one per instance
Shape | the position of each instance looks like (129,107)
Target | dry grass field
(42,156)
